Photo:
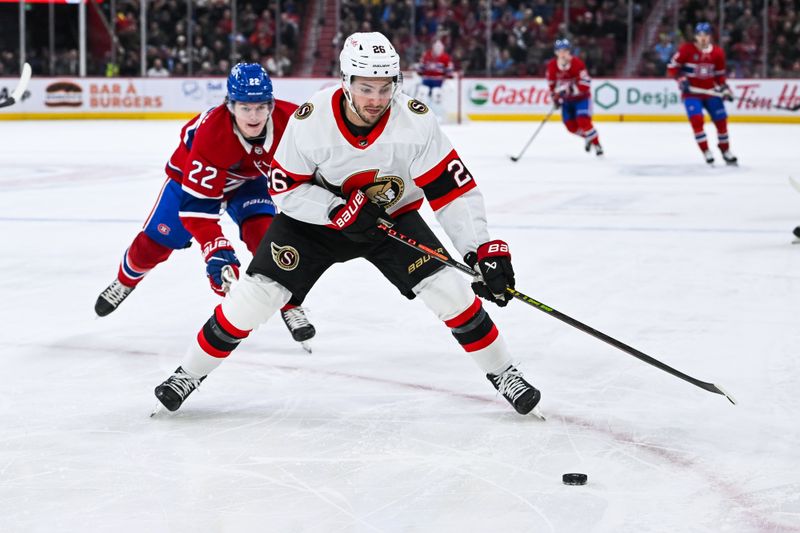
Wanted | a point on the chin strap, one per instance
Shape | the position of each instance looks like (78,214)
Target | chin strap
(349,98)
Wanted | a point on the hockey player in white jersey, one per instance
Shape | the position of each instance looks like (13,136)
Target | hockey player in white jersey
(353,155)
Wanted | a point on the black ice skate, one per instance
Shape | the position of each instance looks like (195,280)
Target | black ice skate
(729,158)
(176,389)
(110,298)
(796,233)
(301,329)
(598,150)
(520,394)
(709,157)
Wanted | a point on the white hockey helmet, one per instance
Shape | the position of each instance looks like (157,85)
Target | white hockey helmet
(369,55)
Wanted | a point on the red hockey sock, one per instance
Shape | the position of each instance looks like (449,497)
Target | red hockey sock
(253,230)
(589,133)
(473,328)
(572,126)
(699,135)
(722,134)
(140,258)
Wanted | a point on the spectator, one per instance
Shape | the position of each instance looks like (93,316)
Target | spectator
(664,49)
(503,64)
(157,70)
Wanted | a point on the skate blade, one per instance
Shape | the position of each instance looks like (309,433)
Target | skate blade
(538,414)
(306,346)
(159,410)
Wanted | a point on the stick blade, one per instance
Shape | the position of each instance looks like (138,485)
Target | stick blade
(514,159)
(794,183)
(725,393)
(22,86)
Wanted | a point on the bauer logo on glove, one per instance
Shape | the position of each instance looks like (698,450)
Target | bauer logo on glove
(492,261)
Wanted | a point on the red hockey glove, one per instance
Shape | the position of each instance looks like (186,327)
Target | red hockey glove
(358,219)
(557,100)
(222,266)
(492,261)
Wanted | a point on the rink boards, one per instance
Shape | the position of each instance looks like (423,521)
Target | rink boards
(459,100)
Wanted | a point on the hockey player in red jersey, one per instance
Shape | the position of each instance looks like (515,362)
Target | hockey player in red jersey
(220,164)
(434,67)
(699,69)
(570,88)
(352,156)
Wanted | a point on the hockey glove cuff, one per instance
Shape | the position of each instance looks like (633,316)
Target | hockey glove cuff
(492,262)
(222,266)
(358,219)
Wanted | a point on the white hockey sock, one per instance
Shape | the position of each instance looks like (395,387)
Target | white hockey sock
(494,358)
(198,363)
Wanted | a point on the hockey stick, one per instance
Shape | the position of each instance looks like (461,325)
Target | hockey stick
(794,183)
(22,85)
(535,133)
(710,387)
(710,92)
(787,108)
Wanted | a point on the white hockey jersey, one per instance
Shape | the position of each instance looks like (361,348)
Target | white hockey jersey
(405,158)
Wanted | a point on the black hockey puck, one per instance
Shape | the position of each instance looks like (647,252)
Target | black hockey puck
(574,479)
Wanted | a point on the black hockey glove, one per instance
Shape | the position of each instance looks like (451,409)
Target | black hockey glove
(727,94)
(683,85)
(492,262)
(358,219)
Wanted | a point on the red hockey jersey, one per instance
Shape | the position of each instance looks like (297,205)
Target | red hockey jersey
(435,67)
(705,69)
(214,159)
(574,79)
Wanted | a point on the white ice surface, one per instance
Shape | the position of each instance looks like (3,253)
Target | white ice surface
(388,426)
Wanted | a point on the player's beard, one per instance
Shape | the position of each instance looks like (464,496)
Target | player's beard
(371,118)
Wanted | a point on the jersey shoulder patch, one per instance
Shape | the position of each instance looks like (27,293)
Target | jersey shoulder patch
(304,111)
(417,107)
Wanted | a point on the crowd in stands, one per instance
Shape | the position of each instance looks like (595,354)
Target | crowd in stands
(741,37)
(522,31)
(215,44)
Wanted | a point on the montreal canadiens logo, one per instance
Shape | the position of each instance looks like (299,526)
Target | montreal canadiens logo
(417,107)
(385,191)
(163,229)
(304,111)
(286,257)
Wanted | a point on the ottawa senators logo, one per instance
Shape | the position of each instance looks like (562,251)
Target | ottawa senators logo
(286,257)
(417,107)
(385,191)
(304,111)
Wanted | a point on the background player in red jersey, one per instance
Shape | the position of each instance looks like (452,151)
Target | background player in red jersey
(699,68)
(220,165)
(570,88)
(434,67)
